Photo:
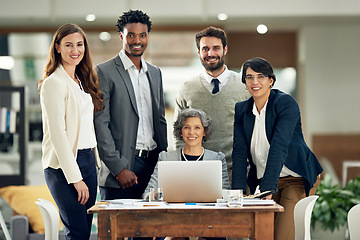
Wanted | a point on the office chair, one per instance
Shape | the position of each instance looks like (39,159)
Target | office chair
(50,217)
(302,217)
(354,222)
(4,228)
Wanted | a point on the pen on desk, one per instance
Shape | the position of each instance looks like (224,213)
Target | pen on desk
(201,204)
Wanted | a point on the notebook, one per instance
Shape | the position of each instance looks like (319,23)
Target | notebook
(190,181)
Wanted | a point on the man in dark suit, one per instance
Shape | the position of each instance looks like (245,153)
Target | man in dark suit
(131,130)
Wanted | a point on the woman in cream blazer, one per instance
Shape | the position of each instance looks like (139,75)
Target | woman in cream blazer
(69,96)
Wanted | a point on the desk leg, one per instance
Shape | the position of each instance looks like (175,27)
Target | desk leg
(104,226)
(264,226)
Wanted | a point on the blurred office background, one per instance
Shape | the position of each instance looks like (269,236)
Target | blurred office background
(313,46)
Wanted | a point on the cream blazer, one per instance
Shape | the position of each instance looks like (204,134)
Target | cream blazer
(61,124)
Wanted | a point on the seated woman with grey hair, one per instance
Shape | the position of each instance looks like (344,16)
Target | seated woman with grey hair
(193,127)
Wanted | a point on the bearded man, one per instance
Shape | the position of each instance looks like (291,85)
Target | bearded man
(215,91)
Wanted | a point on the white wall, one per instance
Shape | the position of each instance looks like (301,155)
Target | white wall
(241,13)
(329,66)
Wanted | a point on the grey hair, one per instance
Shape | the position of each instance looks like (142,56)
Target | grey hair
(192,112)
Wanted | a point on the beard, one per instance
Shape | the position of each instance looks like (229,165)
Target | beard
(135,53)
(212,66)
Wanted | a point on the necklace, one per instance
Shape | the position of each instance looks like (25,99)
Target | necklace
(182,152)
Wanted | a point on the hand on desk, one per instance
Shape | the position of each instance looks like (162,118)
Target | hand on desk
(268,197)
(126,178)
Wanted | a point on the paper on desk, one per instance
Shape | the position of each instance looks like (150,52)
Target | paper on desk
(128,204)
(124,201)
(196,205)
(259,202)
(252,202)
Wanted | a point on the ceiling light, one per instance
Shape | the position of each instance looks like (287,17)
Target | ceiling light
(262,29)
(7,62)
(105,36)
(90,17)
(222,16)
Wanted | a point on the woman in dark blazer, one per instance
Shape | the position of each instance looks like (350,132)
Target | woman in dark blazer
(268,136)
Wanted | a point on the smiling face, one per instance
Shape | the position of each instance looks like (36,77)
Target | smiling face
(71,49)
(212,54)
(258,84)
(193,132)
(135,38)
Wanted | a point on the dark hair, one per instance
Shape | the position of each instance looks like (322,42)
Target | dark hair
(259,65)
(84,70)
(211,32)
(133,16)
(192,112)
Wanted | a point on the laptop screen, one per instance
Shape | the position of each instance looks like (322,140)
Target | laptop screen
(190,181)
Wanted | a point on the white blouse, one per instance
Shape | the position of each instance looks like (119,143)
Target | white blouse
(87,137)
(260,146)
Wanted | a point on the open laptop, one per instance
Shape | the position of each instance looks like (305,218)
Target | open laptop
(190,181)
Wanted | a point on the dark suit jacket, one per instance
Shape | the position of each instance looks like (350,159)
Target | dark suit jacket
(116,126)
(287,145)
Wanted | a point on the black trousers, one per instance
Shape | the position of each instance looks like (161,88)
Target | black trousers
(143,168)
(74,215)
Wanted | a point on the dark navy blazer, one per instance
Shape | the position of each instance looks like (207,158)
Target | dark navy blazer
(287,145)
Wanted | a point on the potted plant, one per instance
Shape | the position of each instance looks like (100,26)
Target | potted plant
(331,208)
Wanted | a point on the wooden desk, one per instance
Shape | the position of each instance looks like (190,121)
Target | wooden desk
(255,222)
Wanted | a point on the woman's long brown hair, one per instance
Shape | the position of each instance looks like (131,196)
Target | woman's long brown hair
(84,70)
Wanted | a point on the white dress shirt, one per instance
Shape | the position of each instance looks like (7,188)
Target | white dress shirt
(223,78)
(260,146)
(140,82)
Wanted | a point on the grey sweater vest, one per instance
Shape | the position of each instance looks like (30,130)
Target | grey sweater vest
(220,107)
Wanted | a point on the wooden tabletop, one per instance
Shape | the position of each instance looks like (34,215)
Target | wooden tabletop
(194,208)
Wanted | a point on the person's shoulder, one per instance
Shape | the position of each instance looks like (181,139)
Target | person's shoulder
(244,103)
(282,97)
(238,85)
(108,62)
(152,66)
(282,101)
(235,74)
(168,156)
(54,85)
(214,155)
(55,79)
(244,106)
(190,83)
